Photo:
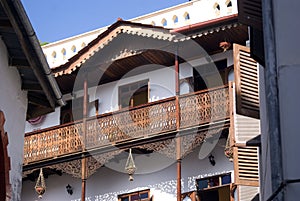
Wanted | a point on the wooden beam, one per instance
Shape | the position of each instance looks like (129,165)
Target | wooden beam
(38,100)
(5,23)
(31,86)
(18,62)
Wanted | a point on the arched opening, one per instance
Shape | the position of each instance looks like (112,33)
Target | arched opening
(73,48)
(175,19)
(186,16)
(54,54)
(164,22)
(217,8)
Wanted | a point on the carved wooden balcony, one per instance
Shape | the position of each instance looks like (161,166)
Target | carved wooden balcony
(129,125)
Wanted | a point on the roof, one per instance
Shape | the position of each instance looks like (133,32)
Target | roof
(26,55)
(122,47)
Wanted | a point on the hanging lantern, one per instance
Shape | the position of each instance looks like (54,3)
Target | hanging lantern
(40,186)
(228,151)
(130,166)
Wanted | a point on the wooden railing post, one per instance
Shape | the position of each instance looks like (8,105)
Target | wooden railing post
(83,160)
(178,140)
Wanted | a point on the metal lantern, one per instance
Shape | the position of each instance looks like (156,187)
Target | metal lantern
(228,151)
(40,186)
(130,166)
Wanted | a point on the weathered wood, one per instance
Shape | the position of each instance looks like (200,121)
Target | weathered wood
(148,120)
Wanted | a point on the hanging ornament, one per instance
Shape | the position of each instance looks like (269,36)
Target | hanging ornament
(130,166)
(228,151)
(40,186)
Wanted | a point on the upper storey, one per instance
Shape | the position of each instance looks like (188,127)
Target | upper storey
(185,14)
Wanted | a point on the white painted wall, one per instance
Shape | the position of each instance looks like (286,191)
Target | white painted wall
(51,119)
(13,102)
(106,183)
(162,85)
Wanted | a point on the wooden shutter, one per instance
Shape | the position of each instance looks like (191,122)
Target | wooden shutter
(250,13)
(246,80)
(246,166)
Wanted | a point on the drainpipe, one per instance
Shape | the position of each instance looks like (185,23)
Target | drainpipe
(272,99)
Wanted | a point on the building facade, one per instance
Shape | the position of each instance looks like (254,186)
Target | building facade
(165,106)
(23,70)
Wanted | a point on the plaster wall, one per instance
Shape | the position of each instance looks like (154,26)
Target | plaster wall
(107,183)
(161,81)
(51,119)
(287,66)
(13,102)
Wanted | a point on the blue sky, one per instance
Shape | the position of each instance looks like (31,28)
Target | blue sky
(58,19)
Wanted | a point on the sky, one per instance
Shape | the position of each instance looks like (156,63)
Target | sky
(54,20)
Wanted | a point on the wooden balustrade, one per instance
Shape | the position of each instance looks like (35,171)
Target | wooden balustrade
(127,124)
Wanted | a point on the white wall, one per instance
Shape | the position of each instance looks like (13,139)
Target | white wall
(51,119)
(106,183)
(162,85)
(13,102)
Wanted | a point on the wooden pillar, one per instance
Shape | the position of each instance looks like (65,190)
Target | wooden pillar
(178,140)
(83,160)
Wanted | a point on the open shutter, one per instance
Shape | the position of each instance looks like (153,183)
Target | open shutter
(246,80)
(250,13)
(246,166)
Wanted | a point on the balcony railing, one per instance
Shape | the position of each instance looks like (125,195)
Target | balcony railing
(149,120)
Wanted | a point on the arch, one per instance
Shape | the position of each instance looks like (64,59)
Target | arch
(186,16)
(164,22)
(153,23)
(228,4)
(64,52)
(217,8)
(83,44)
(175,19)
(4,162)
(53,54)
(73,48)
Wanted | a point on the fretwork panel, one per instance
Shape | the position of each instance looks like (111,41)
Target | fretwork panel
(156,118)
(204,107)
(52,143)
(131,124)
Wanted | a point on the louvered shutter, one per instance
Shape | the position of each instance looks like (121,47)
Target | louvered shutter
(246,166)
(250,13)
(246,80)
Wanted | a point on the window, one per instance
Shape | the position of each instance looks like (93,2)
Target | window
(83,45)
(153,23)
(54,54)
(175,19)
(208,75)
(135,196)
(164,22)
(73,48)
(64,52)
(229,6)
(186,16)
(217,8)
(215,188)
(133,94)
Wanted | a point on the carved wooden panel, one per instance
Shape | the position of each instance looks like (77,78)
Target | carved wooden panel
(134,123)
(53,143)
(204,107)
